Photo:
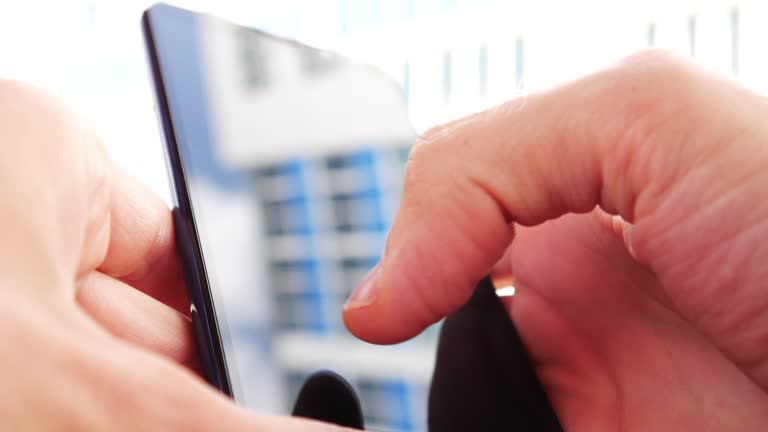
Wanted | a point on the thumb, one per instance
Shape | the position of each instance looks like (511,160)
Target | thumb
(625,139)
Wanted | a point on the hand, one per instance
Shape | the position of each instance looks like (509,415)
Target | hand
(92,315)
(655,318)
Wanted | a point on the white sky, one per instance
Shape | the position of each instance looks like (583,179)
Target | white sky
(91,52)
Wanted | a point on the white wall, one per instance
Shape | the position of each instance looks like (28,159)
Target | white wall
(294,113)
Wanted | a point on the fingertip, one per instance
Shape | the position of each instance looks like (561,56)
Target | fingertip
(381,309)
(429,270)
(366,291)
(410,296)
(376,324)
(366,325)
(362,312)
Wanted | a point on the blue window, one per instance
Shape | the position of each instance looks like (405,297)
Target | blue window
(388,402)
(303,312)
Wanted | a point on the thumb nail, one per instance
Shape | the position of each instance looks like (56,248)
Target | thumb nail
(365,293)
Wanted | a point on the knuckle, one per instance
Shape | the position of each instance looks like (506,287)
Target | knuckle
(648,96)
(432,151)
(418,159)
(656,60)
(428,172)
(432,132)
(655,79)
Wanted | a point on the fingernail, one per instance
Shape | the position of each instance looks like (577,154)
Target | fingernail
(366,291)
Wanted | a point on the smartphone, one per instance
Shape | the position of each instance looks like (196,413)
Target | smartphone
(286,163)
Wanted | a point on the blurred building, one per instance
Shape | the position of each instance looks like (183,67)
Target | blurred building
(322,143)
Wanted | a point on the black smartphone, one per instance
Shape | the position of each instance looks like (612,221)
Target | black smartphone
(286,163)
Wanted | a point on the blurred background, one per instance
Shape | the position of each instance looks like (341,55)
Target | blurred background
(449,57)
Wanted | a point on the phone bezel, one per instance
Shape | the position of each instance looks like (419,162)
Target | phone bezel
(207,329)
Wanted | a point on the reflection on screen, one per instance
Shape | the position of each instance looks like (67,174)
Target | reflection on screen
(294,159)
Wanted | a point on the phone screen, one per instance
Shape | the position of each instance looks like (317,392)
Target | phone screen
(293,159)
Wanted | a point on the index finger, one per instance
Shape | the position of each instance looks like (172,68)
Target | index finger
(142,247)
(622,139)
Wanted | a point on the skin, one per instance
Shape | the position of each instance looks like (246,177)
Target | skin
(636,198)
(652,321)
(92,325)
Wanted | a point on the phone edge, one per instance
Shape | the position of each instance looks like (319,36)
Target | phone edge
(205,325)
